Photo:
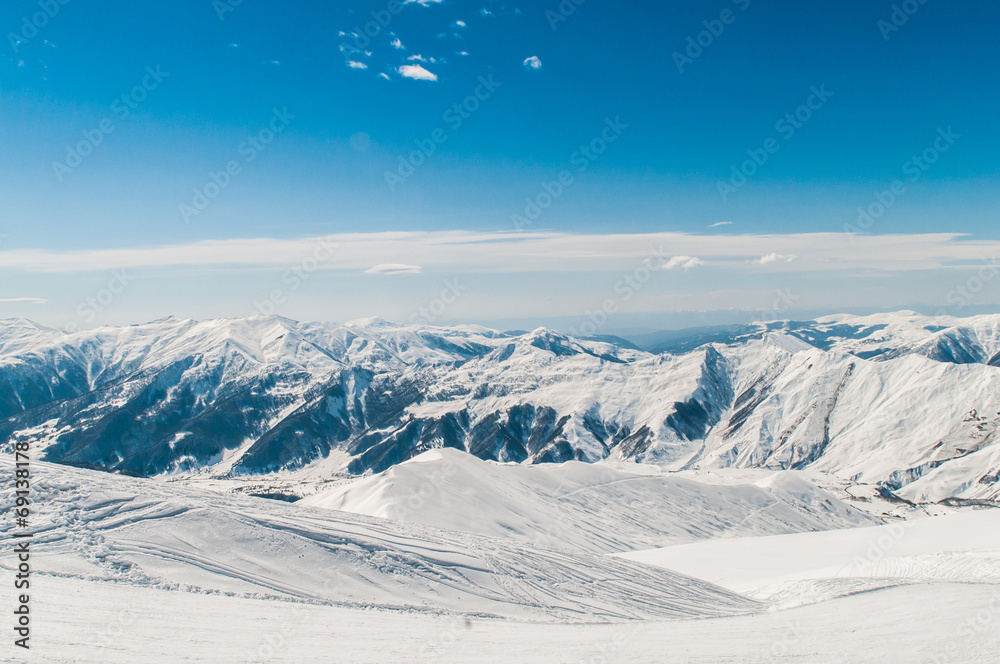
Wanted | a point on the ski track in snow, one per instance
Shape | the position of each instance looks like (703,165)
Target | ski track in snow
(176,537)
(133,569)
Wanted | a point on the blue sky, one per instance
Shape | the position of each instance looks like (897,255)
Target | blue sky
(159,140)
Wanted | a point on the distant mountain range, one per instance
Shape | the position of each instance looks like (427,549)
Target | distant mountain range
(907,401)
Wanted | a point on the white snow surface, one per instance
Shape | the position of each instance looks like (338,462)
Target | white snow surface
(960,548)
(128,569)
(585,507)
(103,623)
(152,533)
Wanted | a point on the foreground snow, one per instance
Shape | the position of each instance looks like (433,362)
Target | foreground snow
(129,570)
(150,533)
(91,622)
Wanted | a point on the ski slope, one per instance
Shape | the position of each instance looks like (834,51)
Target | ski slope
(81,622)
(800,567)
(129,569)
(149,533)
(584,507)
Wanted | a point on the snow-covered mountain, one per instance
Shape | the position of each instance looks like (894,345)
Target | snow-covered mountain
(907,401)
(586,507)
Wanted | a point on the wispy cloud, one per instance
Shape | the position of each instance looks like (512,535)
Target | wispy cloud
(397,44)
(353,64)
(459,24)
(720,223)
(422,3)
(416,72)
(29,300)
(393,269)
(533,62)
(499,252)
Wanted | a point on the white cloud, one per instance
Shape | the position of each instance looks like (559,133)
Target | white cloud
(384,75)
(686,262)
(29,300)
(422,3)
(720,223)
(459,24)
(416,72)
(777,258)
(485,12)
(393,269)
(463,52)
(533,62)
(513,252)
(397,44)
(417,57)
(356,65)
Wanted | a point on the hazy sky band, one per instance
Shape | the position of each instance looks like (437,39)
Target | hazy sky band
(744,132)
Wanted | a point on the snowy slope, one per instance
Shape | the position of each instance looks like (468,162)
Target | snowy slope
(959,548)
(80,622)
(152,533)
(889,422)
(583,507)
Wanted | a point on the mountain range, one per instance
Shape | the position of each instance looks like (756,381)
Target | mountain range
(907,402)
